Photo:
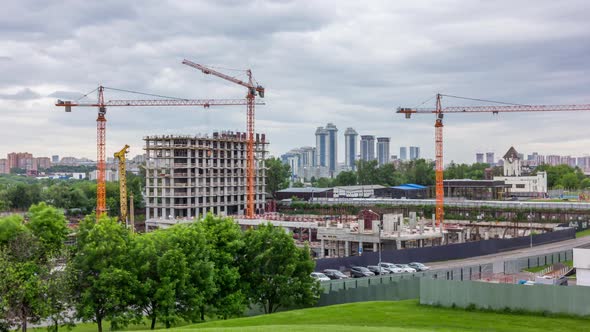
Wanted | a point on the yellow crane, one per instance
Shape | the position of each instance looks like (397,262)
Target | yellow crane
(121,156)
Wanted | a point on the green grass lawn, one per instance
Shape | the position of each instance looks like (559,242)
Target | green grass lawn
(393,316)
(583,233)
(541,268)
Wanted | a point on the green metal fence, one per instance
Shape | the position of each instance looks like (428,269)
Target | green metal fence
(379,288)
(572,300)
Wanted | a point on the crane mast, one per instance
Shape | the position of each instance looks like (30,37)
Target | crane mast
(121,157)
(101,128)
(439,112)
(250,97)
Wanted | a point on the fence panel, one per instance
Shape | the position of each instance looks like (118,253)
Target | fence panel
(372,289)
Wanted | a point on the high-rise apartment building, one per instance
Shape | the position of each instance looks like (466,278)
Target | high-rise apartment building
(321,147)
(22,160)
(383,150)
(55,159)
(414,152)
(43,162)
(367,147)
(188,176)
(332,148)
(350,137)
(4,169)
(403,153)
(479,157)
(307,156)
(490,158)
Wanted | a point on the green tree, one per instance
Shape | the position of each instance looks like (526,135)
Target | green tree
(22,286)
(346,178)
(103,285)
(49,225)
(276,273)
(367,172)
(277,175)
(225,242)
(10,227)
(162,271)
(569,181)
(388,176)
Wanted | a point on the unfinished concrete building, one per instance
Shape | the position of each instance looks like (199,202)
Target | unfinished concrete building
(189,176)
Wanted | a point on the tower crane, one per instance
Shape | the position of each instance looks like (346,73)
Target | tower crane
(253,89)
(101,126)
(121,157)
(439,112)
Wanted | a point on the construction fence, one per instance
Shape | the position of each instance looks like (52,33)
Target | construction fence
(394,287)
(571,300)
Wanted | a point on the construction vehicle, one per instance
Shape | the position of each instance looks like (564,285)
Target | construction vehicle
(439,112)
(253,90)
(121,157)
(101,125)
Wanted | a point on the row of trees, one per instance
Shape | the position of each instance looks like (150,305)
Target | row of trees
(75,196)
(185,273)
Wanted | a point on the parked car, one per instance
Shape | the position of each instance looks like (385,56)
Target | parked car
(392,268)
(419,266)
(319,276)
(335,274)
(406,268)
(359,272)
(378,270)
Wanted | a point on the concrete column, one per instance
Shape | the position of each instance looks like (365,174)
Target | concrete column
(421,227)
(337,250)
(433,221)
(323,246)
(375,247)
(461,237)
(421,243)
(360,246)
(468,235)
(309,230)
(346,248)
(486,235)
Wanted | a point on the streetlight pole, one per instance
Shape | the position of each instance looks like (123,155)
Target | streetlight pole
(531,226)
(380,229)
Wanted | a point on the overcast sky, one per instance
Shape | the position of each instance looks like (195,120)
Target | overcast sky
(347,62)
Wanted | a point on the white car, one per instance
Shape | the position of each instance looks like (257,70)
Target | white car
(406,268)
(319,276)
(392,268)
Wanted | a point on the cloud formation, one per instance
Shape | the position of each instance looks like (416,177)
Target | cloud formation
(347,62)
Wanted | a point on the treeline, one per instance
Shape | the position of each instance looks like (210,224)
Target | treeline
(74,196)
(417,171)
(564,177)
(189,272)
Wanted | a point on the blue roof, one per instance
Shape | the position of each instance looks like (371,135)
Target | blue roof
(409,186)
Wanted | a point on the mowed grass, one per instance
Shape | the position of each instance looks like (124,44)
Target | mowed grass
(583,233)
(393,316)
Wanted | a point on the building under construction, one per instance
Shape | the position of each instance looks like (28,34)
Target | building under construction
(189,176)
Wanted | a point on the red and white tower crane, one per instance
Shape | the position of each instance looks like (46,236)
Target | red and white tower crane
(253,89)
(439,112)
(101,126)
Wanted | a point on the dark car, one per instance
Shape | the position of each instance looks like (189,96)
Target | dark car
(419,266)
(378,270)
(335,274)
(359,272)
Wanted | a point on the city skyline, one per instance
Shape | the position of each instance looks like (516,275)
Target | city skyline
(327,67)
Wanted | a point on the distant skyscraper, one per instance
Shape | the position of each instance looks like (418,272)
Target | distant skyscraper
(321,146)
(383,150)
(350,136)
(367,147)
(479,157)
(414,152)
(332,150)
(308,156)
(403,153)
(490,158)
(55,159)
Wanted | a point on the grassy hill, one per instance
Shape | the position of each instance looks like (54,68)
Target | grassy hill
(393,316)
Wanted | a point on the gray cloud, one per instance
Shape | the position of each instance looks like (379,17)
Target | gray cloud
(345,62)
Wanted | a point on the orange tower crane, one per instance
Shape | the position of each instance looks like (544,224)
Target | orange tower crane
(439,112)
(253,89)
(101,126)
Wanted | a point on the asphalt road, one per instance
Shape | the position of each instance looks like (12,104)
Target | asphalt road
(513,254)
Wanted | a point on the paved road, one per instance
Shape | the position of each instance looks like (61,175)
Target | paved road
(513,254)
